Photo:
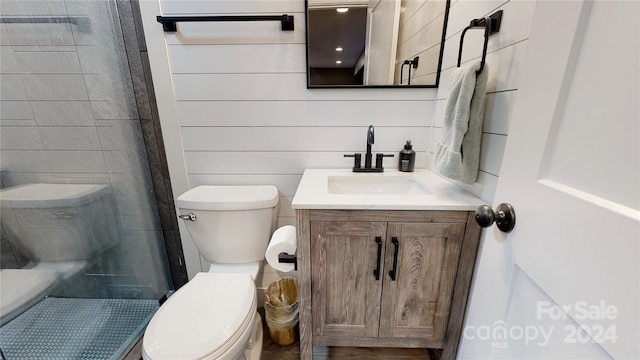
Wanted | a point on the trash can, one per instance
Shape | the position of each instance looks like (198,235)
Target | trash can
(281,310)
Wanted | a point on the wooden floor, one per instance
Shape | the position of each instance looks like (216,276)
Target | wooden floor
(271,351)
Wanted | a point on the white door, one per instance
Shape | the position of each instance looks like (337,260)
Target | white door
(565,282)
(383,21)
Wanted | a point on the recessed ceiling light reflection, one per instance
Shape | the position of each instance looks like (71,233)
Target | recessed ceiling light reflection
(338,49)
(339,62)
(342,10)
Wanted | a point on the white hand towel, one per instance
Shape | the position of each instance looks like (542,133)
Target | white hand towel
(458,154)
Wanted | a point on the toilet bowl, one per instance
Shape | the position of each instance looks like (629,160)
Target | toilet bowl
(214,316)
(59,229)
(22,288)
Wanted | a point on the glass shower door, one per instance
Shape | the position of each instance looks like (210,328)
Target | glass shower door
(83,261)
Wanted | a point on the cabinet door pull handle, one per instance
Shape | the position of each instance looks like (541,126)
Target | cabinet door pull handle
(376,272)
(396,244)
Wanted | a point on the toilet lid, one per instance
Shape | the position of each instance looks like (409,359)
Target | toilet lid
(229,198)
(202,317)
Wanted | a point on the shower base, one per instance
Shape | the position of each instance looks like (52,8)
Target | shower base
(68,328)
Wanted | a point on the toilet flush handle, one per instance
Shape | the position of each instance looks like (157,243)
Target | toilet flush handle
(189,216)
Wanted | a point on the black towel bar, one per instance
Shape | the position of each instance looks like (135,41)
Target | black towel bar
(83,22)
(491,25)
(169,22)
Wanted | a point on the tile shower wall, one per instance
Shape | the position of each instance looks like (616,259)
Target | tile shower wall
(68,114)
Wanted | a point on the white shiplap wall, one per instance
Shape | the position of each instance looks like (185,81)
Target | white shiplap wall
(505,55)
(235,108)
(420,34)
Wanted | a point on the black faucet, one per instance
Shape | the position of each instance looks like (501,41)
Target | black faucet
(370,141)
(368,156)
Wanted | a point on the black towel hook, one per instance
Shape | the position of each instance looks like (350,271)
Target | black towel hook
(491,25)
(412,64)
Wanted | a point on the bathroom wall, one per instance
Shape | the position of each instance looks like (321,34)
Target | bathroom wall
(69,114)
(235,108)
(505,55)
(420,34)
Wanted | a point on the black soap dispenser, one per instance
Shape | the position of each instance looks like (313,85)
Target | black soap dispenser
(407,158)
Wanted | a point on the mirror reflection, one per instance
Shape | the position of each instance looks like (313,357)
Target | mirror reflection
(375,43)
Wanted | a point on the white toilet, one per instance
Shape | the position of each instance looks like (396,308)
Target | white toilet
(60,228)
(214,316)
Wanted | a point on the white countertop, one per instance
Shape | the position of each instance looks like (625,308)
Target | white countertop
(314,193)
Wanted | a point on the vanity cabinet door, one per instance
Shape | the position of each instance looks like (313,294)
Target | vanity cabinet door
(345,292)
(416,304)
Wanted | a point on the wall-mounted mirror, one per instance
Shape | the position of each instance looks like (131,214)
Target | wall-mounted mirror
(375,43)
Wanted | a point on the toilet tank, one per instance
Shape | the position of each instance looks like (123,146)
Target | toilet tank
(233,224)
(59,222)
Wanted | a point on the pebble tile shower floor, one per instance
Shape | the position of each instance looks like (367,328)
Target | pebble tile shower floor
(67,328)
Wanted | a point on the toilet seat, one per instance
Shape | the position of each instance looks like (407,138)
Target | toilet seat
(203,319)
(23,288)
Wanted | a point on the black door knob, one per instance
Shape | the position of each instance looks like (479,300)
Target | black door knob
(504,216)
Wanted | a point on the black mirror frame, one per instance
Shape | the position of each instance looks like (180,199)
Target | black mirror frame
(442,41)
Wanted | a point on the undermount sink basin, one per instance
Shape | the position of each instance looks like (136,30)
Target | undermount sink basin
(390,190)
(374,185)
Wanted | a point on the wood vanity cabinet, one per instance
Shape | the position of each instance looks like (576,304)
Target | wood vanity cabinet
(384,278)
